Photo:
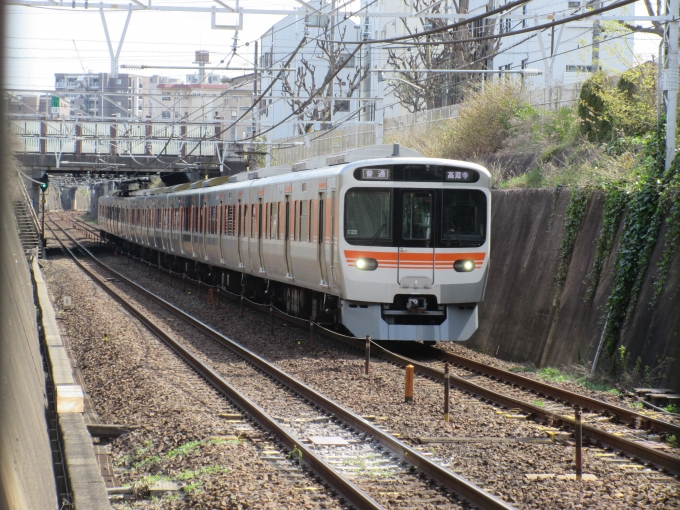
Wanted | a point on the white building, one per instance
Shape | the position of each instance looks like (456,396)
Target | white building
(338,100)
(574,46)
(217,105)
(565,55)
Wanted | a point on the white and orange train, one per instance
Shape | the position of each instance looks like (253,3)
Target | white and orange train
(382,241)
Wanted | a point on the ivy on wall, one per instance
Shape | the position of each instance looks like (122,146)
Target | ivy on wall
(576,211)
(671,240)
(614,205)
(644,215)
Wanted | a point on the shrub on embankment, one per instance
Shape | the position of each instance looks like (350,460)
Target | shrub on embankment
(612,171)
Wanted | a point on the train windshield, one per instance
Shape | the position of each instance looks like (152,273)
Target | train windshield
(368,216)
(463,218)
(419,218)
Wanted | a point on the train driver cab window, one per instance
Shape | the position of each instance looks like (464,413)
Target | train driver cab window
(416,215)
(368,216)
(463,218)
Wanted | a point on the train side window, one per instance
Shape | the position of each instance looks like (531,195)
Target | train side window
(253,221)
(273,226)
(282,227)
(304,220)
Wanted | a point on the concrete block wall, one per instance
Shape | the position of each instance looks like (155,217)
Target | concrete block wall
(518,321)
(26,475)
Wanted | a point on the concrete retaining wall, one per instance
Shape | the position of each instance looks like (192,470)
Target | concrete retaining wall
(26,475)
(518,321)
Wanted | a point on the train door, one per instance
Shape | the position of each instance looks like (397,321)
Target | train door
(165,234)
(221,211)
(288,233)
(192,225)
(260,228)
(149,219)
(253,257)
(182,224)
(321,245)
(240,233)
(415,216)
(205,225)
(331,234)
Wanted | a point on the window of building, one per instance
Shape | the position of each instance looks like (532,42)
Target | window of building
(165,98)
(524,11)
(165,115)
(525,62)
(580,69)
(350,63)
(342,106)
(573,5)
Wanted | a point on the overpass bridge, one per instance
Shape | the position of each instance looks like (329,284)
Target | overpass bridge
(123,147)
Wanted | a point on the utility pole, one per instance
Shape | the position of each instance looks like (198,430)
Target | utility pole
(114,56)
(254,133)
(671,79)
(597,32)
(44,183)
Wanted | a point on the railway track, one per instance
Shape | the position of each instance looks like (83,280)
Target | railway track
(557,415)
(367,450)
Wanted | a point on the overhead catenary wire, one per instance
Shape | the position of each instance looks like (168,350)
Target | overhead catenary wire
(258,99)
(286,65)
(569,19)
(468,21)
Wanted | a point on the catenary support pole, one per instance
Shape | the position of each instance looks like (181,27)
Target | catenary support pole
(671,80)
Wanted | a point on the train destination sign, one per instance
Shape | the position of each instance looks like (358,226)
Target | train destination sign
(377,174)
(417,173)
(457,175)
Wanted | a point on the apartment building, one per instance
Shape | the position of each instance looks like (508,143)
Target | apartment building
(205,103)
(566,55)
(100,95)
(34,105)
(338,100)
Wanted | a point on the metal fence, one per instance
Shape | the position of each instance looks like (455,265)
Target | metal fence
(355,136)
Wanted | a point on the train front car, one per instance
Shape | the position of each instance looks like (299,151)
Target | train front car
(415,247)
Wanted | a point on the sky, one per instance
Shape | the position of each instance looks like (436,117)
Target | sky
(40,41)
(43,41)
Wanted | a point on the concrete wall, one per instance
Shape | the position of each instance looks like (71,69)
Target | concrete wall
(518,321)
(26,476)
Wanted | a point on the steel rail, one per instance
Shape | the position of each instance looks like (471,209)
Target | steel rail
(628,416)
(344,487)
(660,459)
(457,484)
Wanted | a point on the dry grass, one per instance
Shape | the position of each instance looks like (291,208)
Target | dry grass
(483,124)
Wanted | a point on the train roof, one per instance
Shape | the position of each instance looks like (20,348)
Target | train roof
(317,163)
(329,160)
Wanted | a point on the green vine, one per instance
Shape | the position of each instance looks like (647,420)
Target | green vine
(671,241)
(614,205)
(641,228)
(576,210)
(553,206)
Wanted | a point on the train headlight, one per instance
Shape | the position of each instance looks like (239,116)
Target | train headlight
(366,264)
(464,266)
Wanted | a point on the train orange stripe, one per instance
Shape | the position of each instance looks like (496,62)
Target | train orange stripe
(421,257)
